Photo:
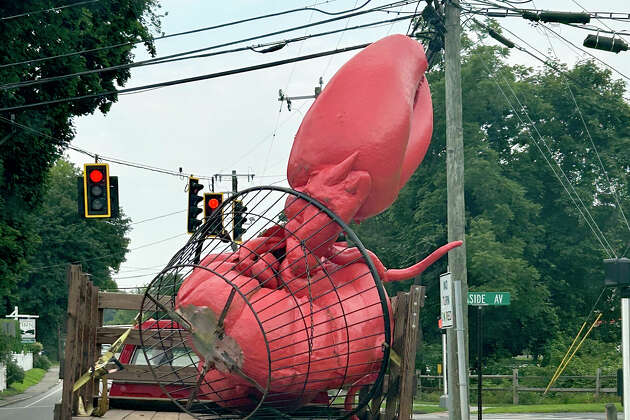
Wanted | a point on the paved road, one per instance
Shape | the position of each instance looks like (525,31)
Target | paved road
(37,402)
(38,407)
(546,416)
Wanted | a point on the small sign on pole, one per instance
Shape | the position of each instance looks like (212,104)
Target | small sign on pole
(446,301)
(27,325)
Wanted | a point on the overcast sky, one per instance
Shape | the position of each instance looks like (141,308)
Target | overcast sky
(235,122)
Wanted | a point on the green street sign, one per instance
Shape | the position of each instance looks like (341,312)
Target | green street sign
(488,298)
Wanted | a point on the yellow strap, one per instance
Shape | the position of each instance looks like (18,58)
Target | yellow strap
(394,357)
(99,366)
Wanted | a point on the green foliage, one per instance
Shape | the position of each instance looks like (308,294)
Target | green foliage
(41,361)
(14,373)
(10,341)
(119,317)
(34,348)
(30,378)
(25,158)
(523,233)
(65,237)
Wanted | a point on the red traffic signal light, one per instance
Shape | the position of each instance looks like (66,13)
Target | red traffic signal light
(96,191)
(212,214)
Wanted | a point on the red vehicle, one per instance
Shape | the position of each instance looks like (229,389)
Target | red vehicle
(128,393)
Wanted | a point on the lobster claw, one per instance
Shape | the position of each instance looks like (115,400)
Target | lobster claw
(370,127)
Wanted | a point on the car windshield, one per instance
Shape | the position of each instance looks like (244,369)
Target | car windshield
(176,356)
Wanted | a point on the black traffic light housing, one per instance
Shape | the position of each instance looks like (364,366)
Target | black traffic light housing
(213,214)
(194,187)
(617,272)
(96,198)
(239,219)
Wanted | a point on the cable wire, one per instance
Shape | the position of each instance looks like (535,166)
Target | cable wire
(187,79)
(207,28)
(34,269)
(52,9)
(588,133)
(599,235)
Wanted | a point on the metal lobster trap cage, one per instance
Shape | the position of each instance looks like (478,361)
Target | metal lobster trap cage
(290,322)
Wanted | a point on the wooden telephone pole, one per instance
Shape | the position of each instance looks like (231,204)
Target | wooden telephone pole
(457,368)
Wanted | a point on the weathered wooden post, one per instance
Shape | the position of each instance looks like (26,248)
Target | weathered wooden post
(598,382)
(73,275)
(515,386)
(611,411)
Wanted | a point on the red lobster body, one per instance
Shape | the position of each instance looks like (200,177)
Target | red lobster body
(303,322)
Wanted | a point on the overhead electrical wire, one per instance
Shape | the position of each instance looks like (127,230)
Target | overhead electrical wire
(597,232)
(188,79)
(571,44)
(100,257)
(613,192)
(102,157)
(182,55)
(52,9)
(511,11)
(192,31)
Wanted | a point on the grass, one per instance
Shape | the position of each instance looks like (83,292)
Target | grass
(31,377)
(424,408)
(552,408)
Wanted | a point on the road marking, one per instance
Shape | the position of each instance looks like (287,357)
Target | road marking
(45,396)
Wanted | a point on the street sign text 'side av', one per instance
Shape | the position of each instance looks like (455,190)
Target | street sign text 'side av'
(488,298)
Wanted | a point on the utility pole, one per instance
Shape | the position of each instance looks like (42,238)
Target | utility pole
(234,176)
(457,338)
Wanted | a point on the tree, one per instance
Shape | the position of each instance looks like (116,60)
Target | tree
(524,235)
(99,245)
(25,157)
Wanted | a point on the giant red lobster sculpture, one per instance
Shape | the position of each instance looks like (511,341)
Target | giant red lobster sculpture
(357,146)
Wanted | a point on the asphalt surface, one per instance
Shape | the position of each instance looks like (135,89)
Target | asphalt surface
(535,416)
(37,403)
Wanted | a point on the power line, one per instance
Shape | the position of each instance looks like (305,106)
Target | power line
(222,25)
(34,269)
(498,10)
(189,79)
(599,235)
(182,55)
(585,52)
(101,157)
(588,133)
(52,9)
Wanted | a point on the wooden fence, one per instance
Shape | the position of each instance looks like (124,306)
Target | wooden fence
(602,384)
(86,333)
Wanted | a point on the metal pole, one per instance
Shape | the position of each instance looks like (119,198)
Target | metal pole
(444,362)
(461,360)
(625,347)
(458,352)
(234,192)
(479,350)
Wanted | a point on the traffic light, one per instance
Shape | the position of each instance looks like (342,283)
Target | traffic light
(193,200)
(239,219)
(97,200)
(213,215)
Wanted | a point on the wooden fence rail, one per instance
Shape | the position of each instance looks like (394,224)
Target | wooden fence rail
(516,387)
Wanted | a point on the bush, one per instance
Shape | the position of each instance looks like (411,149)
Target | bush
(41,361)
(14,373)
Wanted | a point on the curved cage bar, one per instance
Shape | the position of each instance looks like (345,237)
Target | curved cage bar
(290,322)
